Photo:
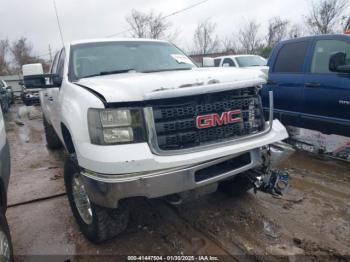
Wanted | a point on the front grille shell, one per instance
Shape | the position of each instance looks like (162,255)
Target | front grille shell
(174,119)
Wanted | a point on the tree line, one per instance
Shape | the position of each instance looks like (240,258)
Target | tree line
(324,17)
(17,53)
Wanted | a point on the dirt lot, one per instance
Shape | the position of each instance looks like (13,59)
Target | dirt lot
(312,219)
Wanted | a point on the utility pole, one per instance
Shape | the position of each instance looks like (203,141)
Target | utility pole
(50,52)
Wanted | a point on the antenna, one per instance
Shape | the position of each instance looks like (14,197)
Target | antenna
(58,21)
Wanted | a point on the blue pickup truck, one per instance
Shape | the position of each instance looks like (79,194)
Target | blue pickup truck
(310,79)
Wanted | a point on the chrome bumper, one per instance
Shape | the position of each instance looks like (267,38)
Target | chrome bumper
(107,190)
(280,151)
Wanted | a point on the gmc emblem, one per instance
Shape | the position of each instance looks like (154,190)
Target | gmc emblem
(211,120)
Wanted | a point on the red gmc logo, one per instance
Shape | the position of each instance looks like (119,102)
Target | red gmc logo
(212,120)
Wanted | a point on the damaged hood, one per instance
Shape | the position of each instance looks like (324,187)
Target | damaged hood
(135,86)
(264,69)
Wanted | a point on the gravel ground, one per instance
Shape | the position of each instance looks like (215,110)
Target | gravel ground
(310,222)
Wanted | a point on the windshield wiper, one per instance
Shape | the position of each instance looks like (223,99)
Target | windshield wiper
(169,69)
(102,73)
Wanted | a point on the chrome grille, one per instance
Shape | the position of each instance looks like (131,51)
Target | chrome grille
(175,119)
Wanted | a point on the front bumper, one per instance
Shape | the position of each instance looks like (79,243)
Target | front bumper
(107,190)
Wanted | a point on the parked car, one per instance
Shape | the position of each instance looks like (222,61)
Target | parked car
(6,250)
(30,94)
(239,61)
(5,98)
(9,90)
(139,119)
(310,79)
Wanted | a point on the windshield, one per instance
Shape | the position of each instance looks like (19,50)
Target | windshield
(255,60)
(103,58)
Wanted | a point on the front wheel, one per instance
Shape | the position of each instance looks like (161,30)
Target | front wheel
(97,223)
(6,250)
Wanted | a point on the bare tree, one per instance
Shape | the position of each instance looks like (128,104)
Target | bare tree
(346,24)
(324,16)
(229,44)
(277,30)
(295,30)
(205,39)
(21,50)
(249,39)
(4,64)
(148,25)
(138,22)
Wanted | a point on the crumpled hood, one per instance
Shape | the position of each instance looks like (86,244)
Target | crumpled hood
(134,86)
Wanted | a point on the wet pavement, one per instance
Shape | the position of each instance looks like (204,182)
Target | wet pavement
(312,219)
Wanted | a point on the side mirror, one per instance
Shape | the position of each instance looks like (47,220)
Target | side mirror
(208,62)
(226,65)
(56,80)
(34,81)
(42,81)
(337,63)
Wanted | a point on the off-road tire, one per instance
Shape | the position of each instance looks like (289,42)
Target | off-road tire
(236,186)
(52,140)
(5,229)
(106,223)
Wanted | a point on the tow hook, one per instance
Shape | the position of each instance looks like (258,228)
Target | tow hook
(273,182)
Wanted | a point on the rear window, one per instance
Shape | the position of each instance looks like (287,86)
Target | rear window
(290,58)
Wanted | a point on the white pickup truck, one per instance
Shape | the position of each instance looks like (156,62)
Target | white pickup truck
(139,119)
(239,61)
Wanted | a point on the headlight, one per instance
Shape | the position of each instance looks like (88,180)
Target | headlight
(116,126)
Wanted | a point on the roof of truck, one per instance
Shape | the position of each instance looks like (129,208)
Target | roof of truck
(317,37)
(101,40)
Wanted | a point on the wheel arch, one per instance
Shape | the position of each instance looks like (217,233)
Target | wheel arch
(67,139)
(3,196)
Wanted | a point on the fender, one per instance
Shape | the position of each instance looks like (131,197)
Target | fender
(97,94)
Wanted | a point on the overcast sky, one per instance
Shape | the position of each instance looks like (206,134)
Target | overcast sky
(35,19)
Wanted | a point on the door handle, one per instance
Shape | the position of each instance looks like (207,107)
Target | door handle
(50,98)
(312,85)
(45,94)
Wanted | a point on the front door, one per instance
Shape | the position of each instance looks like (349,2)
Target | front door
(286,80)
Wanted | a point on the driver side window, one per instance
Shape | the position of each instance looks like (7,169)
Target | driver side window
(54,63)
(228,61)
(60,64)
(323,51)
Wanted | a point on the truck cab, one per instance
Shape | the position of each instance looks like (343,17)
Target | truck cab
(308,92)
